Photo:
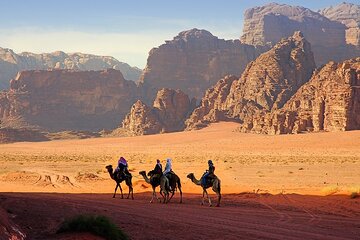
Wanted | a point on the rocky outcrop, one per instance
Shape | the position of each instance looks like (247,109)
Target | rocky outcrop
(266,84)
(330,101)
(195,60)
(12,63)
(9,135)
(169,111)
(57,100)
(349,15)
(268,24)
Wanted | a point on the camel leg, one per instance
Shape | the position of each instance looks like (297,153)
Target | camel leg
(117,185)
(207,195)
(153,195)
(202,201)
(180,194)
(122,196)
(172,194)
(219,199)
(161,195)
(132,193)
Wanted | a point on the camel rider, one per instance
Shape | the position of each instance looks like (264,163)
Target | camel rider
(209,173)
(168,167)
(158,167)
(122,167)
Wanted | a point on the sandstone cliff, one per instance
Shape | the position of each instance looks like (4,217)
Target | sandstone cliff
(330,101)
(67,100)
(12,63)
(266,25)
(266,84)
(349,15)
(194,60)
(169,111)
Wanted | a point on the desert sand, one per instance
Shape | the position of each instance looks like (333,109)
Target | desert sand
(316,163)
(274,187)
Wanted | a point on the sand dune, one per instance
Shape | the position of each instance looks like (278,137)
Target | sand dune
(316,163)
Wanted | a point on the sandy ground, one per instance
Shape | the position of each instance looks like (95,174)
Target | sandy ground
(241,216)
(44,183)
(317,163)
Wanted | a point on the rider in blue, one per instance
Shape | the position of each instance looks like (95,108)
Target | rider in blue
(209,172)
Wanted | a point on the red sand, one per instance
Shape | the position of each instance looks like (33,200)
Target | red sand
(241,216)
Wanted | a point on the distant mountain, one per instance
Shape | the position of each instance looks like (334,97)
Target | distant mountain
(194,60)
(266,25)
(62,99)
(11,63)
(349,15)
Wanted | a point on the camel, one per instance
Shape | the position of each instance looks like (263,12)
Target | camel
(214,183)
(154,182)
(118,179)
(166,186)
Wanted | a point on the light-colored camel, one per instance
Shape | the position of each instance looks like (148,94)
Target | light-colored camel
(214,183)
(118,179)
(169,185)
(154,182)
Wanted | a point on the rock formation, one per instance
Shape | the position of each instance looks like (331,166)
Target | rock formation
(12,63)
(349,15)
(266,25)
(266,84)
(58,100)
(330,101)
(9,135)
(169,111)
(194,60)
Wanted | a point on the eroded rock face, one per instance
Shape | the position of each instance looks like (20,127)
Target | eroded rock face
(349,15)
(268,24)
(330,101)
(266,84)
(195,60)
(169,111)
(59,100)
(12,63)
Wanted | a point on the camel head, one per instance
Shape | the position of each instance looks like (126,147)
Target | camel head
(143,173)
(190,176)
(109,168)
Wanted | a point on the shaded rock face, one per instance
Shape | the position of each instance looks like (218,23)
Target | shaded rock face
(349,15)
(269,23)
(12,63)
(194,60)
(169,111)
(330,101)
(266,25)
(58,100)
(266,84)
(9,135)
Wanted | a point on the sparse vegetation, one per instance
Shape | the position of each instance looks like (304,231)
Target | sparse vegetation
(98,225)
(354,195)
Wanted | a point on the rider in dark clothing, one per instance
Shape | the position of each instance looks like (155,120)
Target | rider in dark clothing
(209,173)
(123,167)
(158,167)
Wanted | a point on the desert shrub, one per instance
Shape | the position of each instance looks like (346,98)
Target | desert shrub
(354,195)
(98,225)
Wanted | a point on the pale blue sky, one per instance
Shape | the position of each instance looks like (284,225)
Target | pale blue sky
(126,30)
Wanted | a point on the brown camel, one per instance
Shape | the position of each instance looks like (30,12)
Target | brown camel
(214,183)
(118,179)
(168,185)
(153,181)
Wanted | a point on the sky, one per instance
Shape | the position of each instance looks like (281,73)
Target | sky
(124,29)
